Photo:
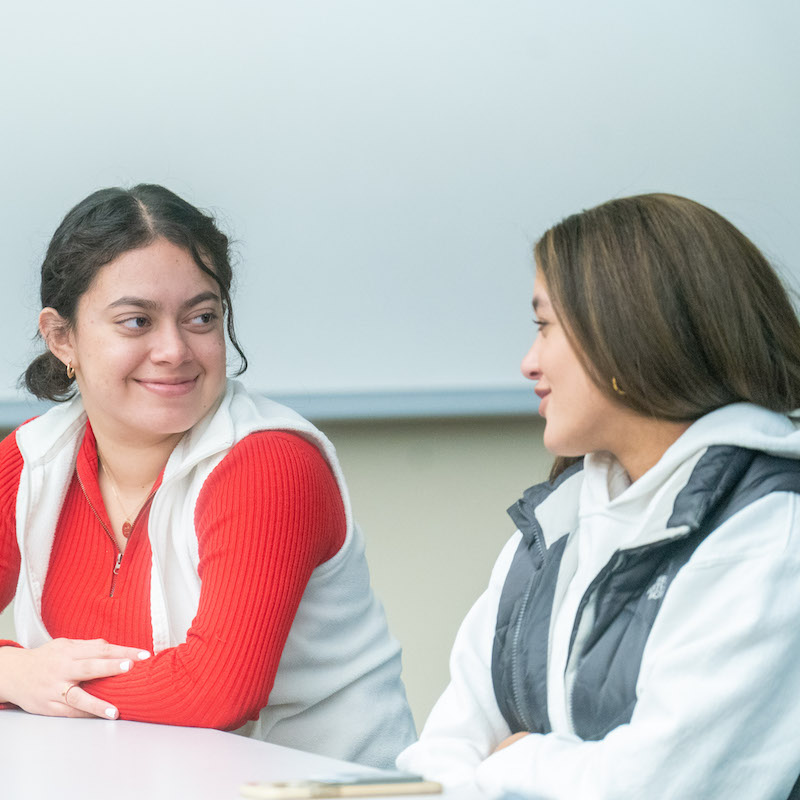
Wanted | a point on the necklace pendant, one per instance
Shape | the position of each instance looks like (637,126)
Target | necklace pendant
(126,529)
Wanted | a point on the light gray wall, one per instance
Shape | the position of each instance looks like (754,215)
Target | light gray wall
(384,166)
(431,498)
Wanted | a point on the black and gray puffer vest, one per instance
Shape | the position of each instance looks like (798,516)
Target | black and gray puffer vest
(626,595)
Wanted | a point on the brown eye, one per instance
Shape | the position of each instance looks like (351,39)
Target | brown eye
(135,323)
(206,318)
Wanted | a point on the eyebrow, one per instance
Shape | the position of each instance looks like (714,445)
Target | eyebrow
(153,305)
(537,302)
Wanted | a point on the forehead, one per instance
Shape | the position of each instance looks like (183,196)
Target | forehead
(541,299)
(160,270)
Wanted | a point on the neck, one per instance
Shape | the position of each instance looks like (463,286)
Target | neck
(644,444)
(134,467)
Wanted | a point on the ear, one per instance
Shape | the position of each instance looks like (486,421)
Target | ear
(57,336)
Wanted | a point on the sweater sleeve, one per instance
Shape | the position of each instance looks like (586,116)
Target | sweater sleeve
(10,469)
(267,516)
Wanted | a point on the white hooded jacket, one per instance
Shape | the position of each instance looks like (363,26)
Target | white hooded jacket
(718,689)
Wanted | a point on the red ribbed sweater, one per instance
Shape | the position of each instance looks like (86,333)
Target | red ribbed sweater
(268,514)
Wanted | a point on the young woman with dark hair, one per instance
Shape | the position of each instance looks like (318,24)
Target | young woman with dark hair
(640,634)
(178,550)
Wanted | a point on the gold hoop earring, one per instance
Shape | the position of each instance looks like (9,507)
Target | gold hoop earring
(615,387)
(70,370)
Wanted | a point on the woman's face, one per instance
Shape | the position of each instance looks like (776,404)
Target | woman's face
(148,344)
(579,418)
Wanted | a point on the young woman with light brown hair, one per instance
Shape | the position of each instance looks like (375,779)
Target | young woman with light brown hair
(640,633)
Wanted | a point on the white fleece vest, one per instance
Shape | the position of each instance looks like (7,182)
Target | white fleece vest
(337,690)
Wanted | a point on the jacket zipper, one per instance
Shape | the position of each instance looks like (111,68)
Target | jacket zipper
(516,678)
(118,560)
(615,563)
(516,689)
(612,565)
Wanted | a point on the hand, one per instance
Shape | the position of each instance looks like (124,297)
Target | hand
(46,680)
(511,739)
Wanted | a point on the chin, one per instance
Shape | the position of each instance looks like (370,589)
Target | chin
(551,442)
(170,424)
(557,446)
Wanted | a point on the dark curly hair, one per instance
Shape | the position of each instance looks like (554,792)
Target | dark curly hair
(102,227)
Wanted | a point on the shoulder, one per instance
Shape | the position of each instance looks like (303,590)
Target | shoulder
(277,482)
(276,449)
(9,448)
(10,457)
(11,464)
(760,512)
(766,528)
(275,465)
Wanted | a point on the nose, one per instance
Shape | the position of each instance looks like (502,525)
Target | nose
(170,345)
(530,362)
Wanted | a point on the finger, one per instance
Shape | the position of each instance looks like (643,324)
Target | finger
(74,713)
(99,648)
(65,709)
(87,669)
(79,700)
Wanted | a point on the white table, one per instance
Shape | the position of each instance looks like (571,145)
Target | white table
(51,758)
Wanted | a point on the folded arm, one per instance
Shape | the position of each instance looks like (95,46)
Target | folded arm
(268,515)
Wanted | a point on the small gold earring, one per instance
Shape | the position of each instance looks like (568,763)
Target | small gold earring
(70,370)
(615,387)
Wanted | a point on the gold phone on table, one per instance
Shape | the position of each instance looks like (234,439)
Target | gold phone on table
(388,784)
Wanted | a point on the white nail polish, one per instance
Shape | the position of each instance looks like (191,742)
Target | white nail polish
(143,654)
(126,665)
(111,713)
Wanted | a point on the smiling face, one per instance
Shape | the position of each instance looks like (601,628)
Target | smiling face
(147,344)
(579,418)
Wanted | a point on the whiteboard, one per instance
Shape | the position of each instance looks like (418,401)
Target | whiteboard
(384,166)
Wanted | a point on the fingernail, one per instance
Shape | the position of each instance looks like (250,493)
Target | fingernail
(126,665)
(143,654)
(111,712)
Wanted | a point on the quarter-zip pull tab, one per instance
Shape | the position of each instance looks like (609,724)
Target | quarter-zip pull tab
(118,562)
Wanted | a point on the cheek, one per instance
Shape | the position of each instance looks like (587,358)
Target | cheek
(105,357)
(211,356)
(216,353)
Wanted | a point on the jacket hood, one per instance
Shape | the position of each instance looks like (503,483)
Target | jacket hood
(745,425)
(641,511)
(740,425)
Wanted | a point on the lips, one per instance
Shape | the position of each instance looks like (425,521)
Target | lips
(543,395)
(168,387)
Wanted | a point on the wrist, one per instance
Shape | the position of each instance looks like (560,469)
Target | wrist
(9,656)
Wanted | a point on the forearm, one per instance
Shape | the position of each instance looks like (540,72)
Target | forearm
(223,674)
(205,682)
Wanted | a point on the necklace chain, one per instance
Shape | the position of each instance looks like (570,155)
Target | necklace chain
(127,526)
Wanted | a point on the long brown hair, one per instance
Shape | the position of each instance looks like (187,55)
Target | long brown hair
(675,304)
